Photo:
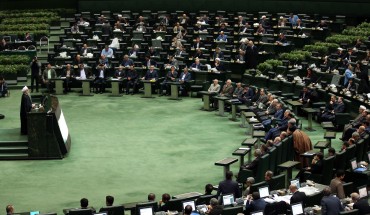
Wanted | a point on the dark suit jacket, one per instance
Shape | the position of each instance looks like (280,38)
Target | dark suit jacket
(363,207)
(330,205)
(119,74)
(152,63)
(255,205)
(317,167)
(171,75)
(217,210)
(186,78)
(228,187)
(196,66)
(219,55)
(251,55)
(306,96)
(201,45)
(132,74)
(298,197)
(64,73)
(339,108)
(149,75)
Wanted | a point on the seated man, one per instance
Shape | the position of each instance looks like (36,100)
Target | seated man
(238,91)
(108,202)
(222,37)
(218,67)
(3,87)
(254,203)
(84,203)
(127,62)
(262,99)
(218,53)
(281,40)
(163,206)
(297,195)
(68,74)
(48,74)
(338,107)
(246,95)
(185,78)
(214,87)
(132,77)
(83,73)
(278,115)
(227,89)
(315,168)
(281,126)
(151,75)
(107,52)
(170,77)
(214,207)
(120,74)
(304,97)
(361,204)
(330,204)
(208,189)
(254,164)
(196,65)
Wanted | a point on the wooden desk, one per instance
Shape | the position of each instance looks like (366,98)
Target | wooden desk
(58,85)
(246,115)
(115,87)
(221,104)
(226,164)
(206,100)
(250,123)
(241,152)
(147,88)
(309,111)
(86,86)
(174,90)
(250,142)
(288,166)
(295,105)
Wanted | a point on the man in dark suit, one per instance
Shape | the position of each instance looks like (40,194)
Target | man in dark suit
(215,208)
(196,65)
(254,203)
(251,55)
(338,107)
(254,164)
(198,44)
(149,62)
(218,54)
(228,186)
(184,79)
(170,77)
(247,94)
(85,50)
(127,62)
(304,97)
(131,76)
(361,204)
(330,205)
(68,74)
(100,80)
(297,195)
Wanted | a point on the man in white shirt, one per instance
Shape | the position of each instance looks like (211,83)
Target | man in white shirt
(100,79)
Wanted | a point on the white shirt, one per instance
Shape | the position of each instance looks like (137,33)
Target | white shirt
(101,75)
(82,74)
(49,74)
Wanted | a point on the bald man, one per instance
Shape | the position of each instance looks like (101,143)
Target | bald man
(361,204)
(297,195)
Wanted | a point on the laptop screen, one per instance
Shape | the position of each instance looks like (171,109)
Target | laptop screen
(191,203)
(362,191)
(354,164)
(264,192)
(34,212)
(296,182)
(297,209)
(146,211)
(228,199)
(257,213)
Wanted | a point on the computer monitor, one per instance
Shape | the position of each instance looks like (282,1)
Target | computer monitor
(257,213)
(297,209)
(353,164)
(362,191)
(228,199)
(34,212)
(296,182)
(191,203)
(264,191)
(146,211)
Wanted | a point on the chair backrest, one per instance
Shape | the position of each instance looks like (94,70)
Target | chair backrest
(232,210)
(360,147)
(114,210)
(284,153)
(254,187)
(204,200)
(154,205)
(350,154)
(328,164)
(273,157)
(314,199)
(263,166)
(351,212)
(278,182)
(80,212)
(275,208)
(348,188)
(340,160)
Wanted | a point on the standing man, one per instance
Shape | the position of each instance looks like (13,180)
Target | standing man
(49,73)
(26,106)
(228,186)
(35,73)
(3,87)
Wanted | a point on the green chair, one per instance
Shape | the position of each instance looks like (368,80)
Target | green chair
(284,154)
(351,212)
(254,187)
(327,172)
(314,199)
(279,152)
(340,160)
(348,188)
(360,148)
(350,154)
(263,166)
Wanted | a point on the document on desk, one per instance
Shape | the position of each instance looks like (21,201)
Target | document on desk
(285,198)
(308,190)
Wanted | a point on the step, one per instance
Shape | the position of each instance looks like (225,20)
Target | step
(14,150)
(14,156)
(12,143)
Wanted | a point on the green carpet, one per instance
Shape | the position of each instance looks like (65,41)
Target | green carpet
(126,147)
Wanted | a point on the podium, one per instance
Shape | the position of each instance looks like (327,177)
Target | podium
(206,100)
(48,135)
